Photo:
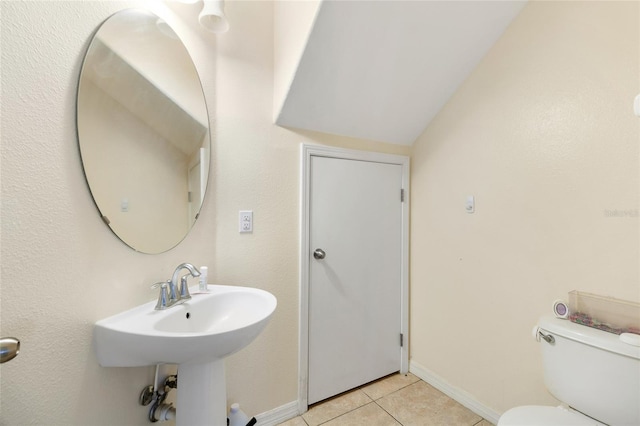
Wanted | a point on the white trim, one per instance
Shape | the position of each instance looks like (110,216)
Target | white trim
(306,152)
(278,415)
(451,391)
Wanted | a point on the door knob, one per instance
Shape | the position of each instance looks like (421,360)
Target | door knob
(9,348)
(319,254)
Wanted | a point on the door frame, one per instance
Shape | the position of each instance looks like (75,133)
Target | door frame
(306,152)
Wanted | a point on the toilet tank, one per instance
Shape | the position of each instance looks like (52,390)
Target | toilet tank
(592,371)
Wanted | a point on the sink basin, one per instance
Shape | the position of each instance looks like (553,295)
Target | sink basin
(197,335)
(208,327)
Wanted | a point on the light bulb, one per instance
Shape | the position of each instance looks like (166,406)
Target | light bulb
(212,16)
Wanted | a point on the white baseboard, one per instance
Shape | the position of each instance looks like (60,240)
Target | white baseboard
(459,395)
(278,415)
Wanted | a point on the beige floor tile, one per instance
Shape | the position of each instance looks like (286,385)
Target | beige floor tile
(296,421)
(335,407)
(420,404)
(368,415)
(389,384)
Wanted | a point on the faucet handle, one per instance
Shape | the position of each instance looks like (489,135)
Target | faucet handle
(163,297)
(184,288)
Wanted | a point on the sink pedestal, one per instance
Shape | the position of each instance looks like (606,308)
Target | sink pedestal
(202,394)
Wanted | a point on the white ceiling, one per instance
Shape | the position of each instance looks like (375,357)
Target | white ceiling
(381,70)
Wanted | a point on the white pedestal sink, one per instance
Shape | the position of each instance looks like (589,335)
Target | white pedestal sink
(197,335)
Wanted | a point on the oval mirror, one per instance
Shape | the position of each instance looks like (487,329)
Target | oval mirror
(143,131)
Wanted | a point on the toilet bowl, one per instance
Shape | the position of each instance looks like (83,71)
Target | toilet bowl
(538,415)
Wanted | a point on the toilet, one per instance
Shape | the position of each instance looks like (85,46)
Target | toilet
(594,373)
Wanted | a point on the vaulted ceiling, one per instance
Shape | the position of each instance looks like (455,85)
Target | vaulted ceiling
(381,70)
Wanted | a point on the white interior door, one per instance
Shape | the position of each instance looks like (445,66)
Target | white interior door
(355,290)
(195,192)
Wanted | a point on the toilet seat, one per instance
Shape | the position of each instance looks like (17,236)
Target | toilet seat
(537,415)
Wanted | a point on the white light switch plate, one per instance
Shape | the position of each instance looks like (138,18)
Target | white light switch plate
(470,204)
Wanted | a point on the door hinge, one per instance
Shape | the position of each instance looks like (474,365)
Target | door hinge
(189,196)
(401,340)
(402,195)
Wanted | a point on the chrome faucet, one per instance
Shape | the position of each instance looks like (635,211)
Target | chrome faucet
(170,293)
(183,290)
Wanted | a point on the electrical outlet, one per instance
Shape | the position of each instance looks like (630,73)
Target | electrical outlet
(246,221)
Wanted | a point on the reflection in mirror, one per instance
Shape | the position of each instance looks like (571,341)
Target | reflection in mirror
(143,131)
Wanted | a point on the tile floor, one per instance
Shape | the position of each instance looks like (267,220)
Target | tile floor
(390,401)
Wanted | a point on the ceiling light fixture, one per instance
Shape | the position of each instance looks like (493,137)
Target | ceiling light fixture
(212,16)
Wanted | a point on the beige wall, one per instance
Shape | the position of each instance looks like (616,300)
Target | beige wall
(543,135)
(62,269)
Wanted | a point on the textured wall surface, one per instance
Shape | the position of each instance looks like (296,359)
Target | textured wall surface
(62,269)
(543,134)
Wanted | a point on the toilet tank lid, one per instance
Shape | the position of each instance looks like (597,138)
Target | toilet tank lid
(589,336)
